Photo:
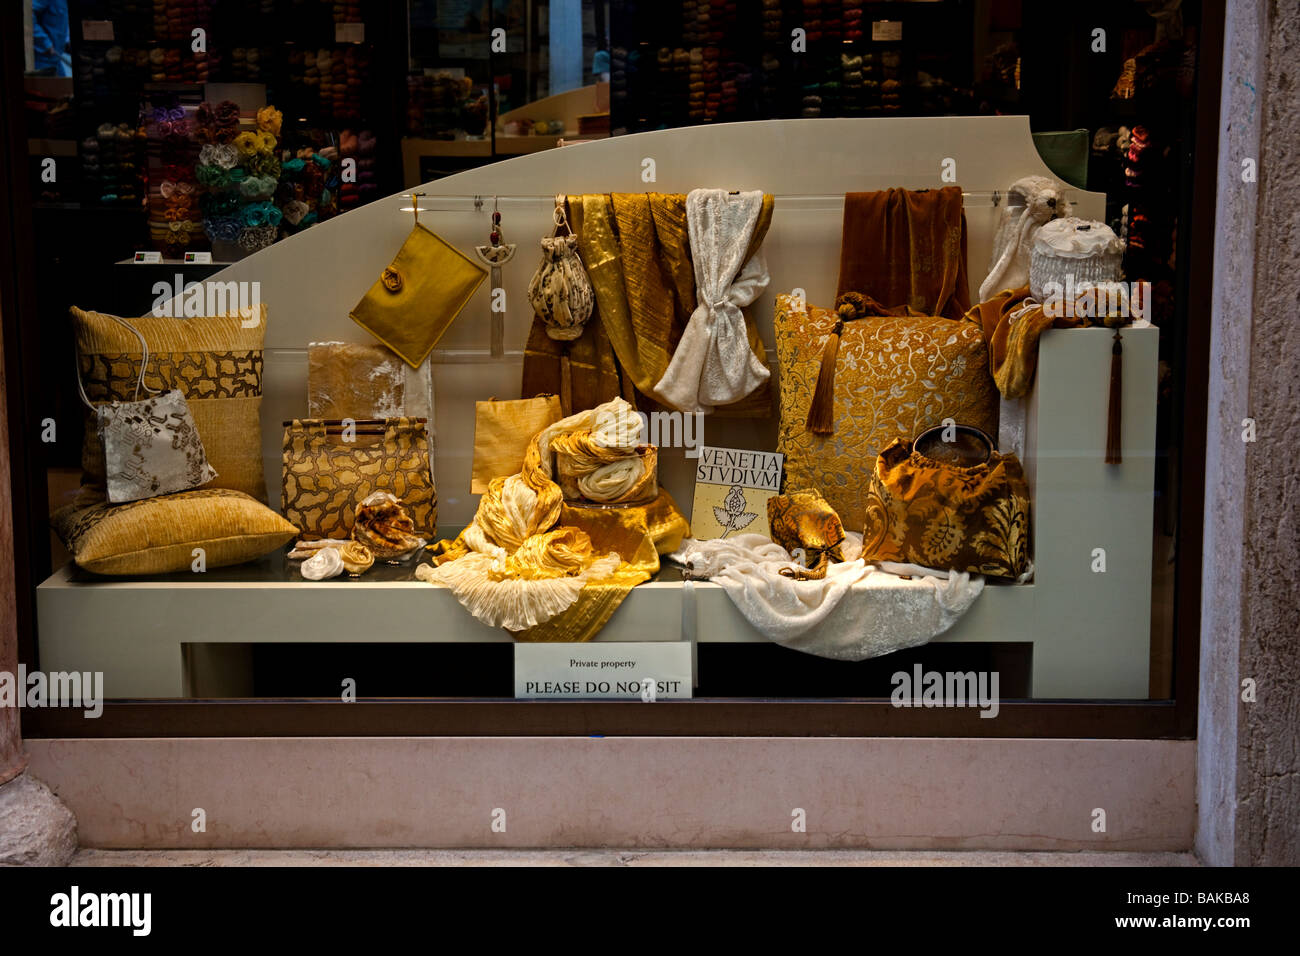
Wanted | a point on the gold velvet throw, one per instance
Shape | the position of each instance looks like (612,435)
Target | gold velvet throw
(636,250)
(1012,329)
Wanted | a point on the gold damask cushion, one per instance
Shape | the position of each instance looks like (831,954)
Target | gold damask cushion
(894,377)
(159,535)
(216,364)
(951,517)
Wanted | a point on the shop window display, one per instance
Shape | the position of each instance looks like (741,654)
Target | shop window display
(936,356)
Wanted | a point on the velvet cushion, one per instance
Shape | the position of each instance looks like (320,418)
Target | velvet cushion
(214,361)
(159,535)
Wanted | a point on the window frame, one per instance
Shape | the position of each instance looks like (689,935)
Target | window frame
(1145,719)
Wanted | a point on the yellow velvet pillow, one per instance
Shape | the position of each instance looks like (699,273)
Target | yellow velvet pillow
(894,378)
(215,362)
(159,535)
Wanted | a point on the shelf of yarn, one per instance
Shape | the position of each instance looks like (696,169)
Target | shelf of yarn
(241,173)
(112,165)
(175,220)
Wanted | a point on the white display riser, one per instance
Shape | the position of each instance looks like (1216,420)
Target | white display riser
(1090,631)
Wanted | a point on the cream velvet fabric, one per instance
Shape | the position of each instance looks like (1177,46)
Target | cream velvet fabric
(713,363)
(858,611)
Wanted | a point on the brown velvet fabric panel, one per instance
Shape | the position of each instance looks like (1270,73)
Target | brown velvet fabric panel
(907,248)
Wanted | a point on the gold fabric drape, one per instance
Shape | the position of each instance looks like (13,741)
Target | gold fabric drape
(636,250)
(640,535)
(523,531)
(1013,342)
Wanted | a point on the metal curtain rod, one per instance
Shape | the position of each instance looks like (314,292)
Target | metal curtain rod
(992,197)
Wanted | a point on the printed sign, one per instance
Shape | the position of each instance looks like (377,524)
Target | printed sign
(199,258)
(97,30)
(732,486)
(150,258)
(349,33)
(886,31)
(648,671)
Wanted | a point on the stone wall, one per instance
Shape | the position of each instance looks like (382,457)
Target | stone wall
(1248,764)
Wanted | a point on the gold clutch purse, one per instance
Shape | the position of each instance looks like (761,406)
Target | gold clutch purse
(414,300)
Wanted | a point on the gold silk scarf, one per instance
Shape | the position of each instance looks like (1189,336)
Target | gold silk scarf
(592,471)
(528,558)
(636,249)
(640,534)
(1012,326)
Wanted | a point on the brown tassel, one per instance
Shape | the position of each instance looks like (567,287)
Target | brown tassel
(821,413)
(1114,455)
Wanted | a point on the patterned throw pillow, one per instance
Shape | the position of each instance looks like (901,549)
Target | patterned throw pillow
(159,535)
(215,362)
(894,378)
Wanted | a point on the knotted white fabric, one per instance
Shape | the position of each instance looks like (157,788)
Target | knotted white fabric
(714,364)
(858,611)
(1031,201)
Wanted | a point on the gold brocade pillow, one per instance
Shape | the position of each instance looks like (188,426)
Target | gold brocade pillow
(159,535)
(418,295)
(894,377)
(948,516)
(214,361)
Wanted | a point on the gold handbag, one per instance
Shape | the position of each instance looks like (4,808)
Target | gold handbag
(954,504)
(414,300)
(803,521)
(502,431)
(327,476)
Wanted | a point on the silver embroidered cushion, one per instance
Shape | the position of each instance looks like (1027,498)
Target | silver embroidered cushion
(151,448)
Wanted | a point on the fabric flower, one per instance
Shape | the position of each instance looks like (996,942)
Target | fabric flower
(269,120)
(220,156)
(294,211)
(247,144)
